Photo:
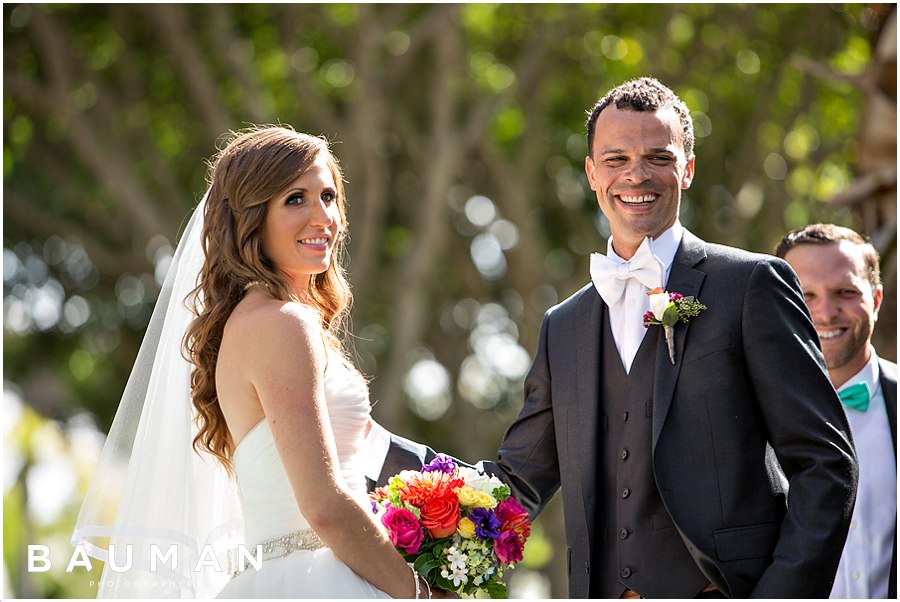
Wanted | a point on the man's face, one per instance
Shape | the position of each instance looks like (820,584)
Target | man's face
(637,170)
(841,300)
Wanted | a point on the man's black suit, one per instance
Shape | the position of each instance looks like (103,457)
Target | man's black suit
(748,372)
(888,381)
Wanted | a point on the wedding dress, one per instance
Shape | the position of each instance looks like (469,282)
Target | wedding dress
(295,563)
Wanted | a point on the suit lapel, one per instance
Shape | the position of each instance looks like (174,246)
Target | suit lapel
(888,379)
(687,280)
(584,432)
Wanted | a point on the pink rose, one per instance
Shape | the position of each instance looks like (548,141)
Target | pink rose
(513,517)
(508,547)
(403,529)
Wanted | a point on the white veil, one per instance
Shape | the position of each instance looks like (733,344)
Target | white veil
(152,492)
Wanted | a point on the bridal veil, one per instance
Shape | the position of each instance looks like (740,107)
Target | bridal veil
(173,510)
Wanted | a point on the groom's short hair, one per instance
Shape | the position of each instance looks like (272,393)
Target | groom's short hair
(828,234)
(644,94)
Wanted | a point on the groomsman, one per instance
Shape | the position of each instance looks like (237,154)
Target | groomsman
(663,439)
(839,276)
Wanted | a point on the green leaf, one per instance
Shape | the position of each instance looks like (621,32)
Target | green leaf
(496,589)
(501,493)
(426,563)
(670,316)
(443,584)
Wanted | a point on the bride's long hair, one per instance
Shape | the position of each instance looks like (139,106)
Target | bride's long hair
(256,164)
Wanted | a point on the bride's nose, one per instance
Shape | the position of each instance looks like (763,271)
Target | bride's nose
(325,214)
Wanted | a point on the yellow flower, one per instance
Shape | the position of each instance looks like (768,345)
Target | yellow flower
(467,496)
(466,528)
(485,500)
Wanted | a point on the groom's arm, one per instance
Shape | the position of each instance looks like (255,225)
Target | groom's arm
(387,454)
(807,429)
(527,459)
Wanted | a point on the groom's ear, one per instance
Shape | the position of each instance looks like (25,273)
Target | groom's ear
(688,176)
(589,171)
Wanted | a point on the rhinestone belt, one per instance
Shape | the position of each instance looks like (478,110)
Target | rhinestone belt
(279,547)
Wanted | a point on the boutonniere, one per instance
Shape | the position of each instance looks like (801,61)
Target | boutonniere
(666,309)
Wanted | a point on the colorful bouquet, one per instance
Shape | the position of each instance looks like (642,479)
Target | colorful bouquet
(460,528)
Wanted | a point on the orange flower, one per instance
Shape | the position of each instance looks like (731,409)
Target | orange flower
(440,515)
(379,494)
(426,486)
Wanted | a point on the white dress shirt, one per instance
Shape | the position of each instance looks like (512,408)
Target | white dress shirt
(865,565)
(626,316)
(374,451)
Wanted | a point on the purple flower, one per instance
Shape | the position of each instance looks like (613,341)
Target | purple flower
(487,526)
(441,463)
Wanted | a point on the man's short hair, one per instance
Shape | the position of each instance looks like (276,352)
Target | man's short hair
(828,234)
(644,94)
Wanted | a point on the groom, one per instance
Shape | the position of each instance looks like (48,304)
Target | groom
(669,460)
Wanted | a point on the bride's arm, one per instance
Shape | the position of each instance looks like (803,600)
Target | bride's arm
(286,366)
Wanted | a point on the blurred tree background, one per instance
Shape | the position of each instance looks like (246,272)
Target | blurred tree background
(461,131)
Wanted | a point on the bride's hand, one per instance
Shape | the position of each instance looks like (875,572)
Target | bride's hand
(443,594)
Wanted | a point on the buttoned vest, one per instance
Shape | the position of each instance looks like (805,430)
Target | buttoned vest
(635,543)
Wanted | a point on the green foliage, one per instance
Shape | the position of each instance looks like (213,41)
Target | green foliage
(496,589)
(501,493)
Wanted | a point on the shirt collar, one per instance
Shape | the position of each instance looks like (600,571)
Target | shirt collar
(869,374)
(663,246)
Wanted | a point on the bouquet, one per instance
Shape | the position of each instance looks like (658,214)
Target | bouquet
(458,527)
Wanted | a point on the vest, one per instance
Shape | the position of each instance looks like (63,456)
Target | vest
(636,545)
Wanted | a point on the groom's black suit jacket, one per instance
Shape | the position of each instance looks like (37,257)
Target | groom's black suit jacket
(748,372)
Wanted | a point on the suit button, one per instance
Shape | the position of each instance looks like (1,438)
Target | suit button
(623,534)
(626,492)
(625,573)
(624,454)
(625,416)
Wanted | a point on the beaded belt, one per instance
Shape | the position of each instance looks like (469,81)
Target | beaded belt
(279,547)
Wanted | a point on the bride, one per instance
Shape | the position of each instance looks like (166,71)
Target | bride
(242,422)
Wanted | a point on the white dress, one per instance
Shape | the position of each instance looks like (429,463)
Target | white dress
(271,514)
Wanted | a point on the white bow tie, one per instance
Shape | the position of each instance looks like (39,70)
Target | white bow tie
(610,276)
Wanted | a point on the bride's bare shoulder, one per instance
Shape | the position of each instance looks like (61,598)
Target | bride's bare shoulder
(266,320)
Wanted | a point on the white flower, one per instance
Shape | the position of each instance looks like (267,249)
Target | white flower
(407,475)
(658,304)
(456,559)
(478,480)
(457,577)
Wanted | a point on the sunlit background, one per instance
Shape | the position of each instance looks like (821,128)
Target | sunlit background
(461,132)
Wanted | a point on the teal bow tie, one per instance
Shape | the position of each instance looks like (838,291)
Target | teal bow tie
(856,397)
